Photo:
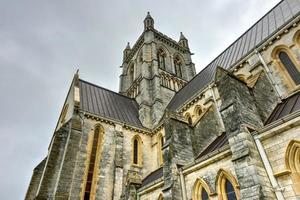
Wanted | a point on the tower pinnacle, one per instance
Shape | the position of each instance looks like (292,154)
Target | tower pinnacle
(148,22)
(183,41)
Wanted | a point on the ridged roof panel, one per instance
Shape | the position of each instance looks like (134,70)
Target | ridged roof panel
(269,24)
(102,102)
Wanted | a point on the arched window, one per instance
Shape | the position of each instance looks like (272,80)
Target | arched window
(292,158)
(198,111)
(160,144)
(201,190)
(161,58)
(160,197)
(141,56)
(136,151)
(131,73)
(227,186)
(95,143)
(177,65)
(290,67)
(189,118)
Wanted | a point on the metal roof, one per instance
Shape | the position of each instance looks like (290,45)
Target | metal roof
(219,142)
(103,102)
(153,176)
(269,24)
(287,106)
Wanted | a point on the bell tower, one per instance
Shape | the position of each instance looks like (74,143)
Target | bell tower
(153,70)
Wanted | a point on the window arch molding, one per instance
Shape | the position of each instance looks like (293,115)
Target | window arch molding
(198,187)
(296,38)
(284,50)
(160,197)
(188,118)
(136,151)
(292,161)
(222,176)
(198,111)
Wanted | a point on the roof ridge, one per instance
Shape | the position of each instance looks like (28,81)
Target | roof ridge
(98,86)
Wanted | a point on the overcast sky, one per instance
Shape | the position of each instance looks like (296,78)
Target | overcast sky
(42,43)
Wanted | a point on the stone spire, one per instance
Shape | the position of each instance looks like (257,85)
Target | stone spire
(148,22)
(126,51)
(183,41)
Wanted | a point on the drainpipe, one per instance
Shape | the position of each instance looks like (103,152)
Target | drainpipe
(269,72)
(266,163)
(218,109)
(183,188)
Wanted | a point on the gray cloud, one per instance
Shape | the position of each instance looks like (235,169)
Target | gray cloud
(42,43)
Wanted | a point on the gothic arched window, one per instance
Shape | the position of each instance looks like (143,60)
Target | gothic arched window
(93,160)
(161,58)
(227,186)
(289,66)
(188,117)
(131,73)
(201,190)
(136,151)
(177,66)
(160,144)
(292,158)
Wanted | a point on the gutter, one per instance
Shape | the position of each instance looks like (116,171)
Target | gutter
(269,72)
(182,183)
(270,173)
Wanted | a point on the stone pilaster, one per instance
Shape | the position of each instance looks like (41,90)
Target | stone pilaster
(118,179)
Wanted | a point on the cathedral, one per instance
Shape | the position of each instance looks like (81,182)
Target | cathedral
(231,131)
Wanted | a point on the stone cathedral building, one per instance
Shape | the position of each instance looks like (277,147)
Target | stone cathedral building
(232,131)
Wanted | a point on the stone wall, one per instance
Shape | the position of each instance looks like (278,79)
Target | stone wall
(207,129)
(275,143)
(208,172)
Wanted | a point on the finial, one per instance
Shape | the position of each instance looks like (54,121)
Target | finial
(183,41)
(77,71)
(182,37)
(148,21)
(128,45)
